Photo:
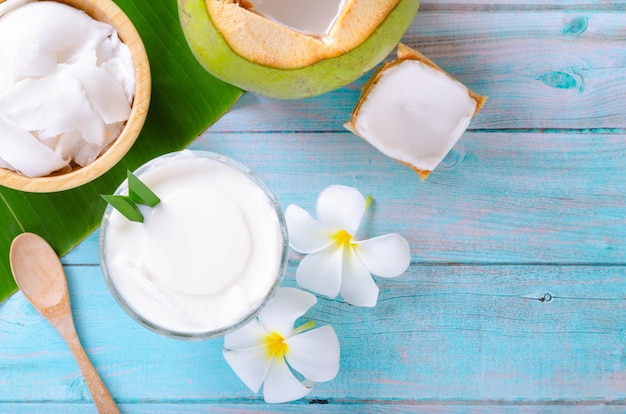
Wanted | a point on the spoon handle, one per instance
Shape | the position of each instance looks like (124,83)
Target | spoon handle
(101,397)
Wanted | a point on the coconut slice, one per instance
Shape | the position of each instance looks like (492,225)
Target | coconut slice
(105,94)
(413,111)
(88,153)
(71,36)
(52,105)
(114,57)
(24,153)
(69,144)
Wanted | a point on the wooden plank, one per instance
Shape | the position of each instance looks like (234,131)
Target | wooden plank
(565,72)
(454,332)
(313,407)
(496,198)
(560,69)
(446,333)
(457,5)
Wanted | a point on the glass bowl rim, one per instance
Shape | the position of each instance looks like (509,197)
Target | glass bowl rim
(253,313)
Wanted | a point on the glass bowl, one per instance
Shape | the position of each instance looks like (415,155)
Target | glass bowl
(178,291)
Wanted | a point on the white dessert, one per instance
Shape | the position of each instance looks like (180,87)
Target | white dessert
(205,256)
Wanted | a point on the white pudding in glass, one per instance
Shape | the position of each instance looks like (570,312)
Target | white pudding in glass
(207,257)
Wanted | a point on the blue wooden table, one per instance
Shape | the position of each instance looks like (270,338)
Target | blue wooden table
(515,300)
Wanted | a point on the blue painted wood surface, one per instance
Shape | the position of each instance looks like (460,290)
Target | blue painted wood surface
(515,300)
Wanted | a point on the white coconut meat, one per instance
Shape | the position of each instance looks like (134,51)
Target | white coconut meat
(9,5)
(313,18)
(40,105)
(66,80)
(19,150)
(414,112)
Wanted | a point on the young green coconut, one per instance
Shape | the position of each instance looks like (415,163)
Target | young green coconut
(291,49)
(413,111)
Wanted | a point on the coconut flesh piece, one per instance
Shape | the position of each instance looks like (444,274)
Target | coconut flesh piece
(18,147)
(413,111)
(66,80)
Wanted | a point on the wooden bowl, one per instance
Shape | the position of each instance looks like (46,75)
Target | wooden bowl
(108,12)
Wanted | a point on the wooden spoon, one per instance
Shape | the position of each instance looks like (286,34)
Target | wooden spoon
(39,274)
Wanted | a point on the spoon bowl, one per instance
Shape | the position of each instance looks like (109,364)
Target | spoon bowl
(39,274)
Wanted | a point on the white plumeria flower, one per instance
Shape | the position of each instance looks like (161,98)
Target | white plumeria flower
(336,262)
(267,349)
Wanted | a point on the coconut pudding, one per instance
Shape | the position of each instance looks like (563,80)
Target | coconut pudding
(67,84)
(206,257)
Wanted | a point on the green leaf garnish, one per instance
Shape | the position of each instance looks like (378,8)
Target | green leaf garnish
(141,193)
(138,193)
(125,206)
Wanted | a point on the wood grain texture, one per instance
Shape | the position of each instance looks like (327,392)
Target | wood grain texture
(514,333)
(515,301)
(497,197)
(321,406)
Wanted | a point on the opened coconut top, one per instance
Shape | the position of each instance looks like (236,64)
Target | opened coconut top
(296,33)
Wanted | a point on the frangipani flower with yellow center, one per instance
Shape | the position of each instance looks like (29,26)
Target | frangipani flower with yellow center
(336,262)
(268,349)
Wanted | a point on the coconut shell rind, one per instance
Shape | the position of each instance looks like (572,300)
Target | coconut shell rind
(214,54)
(269,43)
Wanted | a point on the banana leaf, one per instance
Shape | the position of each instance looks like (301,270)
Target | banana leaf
(185,101)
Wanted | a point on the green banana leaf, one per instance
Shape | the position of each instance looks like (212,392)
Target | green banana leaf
(185,101)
